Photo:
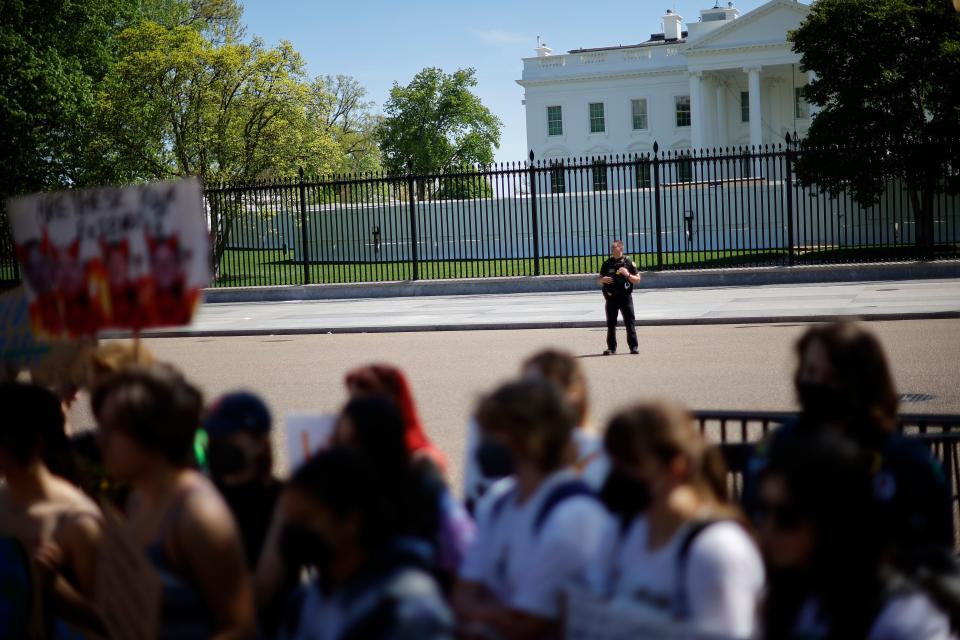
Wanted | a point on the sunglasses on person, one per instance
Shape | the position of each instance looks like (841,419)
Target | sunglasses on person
(783,516)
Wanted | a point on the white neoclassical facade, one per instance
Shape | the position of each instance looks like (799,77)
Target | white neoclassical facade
(725,80)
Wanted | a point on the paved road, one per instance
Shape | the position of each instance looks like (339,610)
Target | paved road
(727,366)
(772,303)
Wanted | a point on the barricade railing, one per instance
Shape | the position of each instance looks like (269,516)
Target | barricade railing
(738,432)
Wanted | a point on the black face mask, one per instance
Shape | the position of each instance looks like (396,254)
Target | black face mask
(495,459)
(624,495)
(819,400)
(226,459)
(301,547)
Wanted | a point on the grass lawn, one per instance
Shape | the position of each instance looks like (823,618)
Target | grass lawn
(253,268)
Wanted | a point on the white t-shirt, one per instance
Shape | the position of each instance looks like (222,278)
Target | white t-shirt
(592,463)
(909,616)
(722,585)
(527,568)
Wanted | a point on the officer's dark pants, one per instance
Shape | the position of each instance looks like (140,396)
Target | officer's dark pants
(621,305)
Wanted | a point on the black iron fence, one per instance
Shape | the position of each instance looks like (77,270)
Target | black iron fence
(737,433)
(674,209)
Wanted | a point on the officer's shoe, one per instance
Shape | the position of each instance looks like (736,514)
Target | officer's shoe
(634,350)
(610,352)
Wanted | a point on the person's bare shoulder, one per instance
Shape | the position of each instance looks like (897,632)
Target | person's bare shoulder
(206,513)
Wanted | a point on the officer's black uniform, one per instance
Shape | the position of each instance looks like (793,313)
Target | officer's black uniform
(619,300)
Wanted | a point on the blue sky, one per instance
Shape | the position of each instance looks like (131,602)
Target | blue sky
(380,42)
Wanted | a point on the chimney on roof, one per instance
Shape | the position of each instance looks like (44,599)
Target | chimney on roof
(542,49)
(719,14)
(672,26)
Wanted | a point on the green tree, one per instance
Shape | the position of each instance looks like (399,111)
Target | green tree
(177,104)
(887,73)
(340,102)
(52,55)
(435,123)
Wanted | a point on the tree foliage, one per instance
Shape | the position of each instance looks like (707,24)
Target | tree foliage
(887,73)
(435,123)
(52,55)
(177,104)
(341,103)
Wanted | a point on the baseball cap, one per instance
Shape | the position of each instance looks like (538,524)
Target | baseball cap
(237,411)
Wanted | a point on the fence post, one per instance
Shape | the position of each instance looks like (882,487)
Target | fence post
(411,195)
(534,217)
(656,203)
(788,158)
(304,236)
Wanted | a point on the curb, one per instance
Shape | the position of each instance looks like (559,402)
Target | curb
(812,274)
(514,326)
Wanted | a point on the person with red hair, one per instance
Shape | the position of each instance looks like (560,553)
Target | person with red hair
(384,379)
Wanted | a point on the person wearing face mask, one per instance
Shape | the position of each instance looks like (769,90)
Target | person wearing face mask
(823,543)
(486,465)
(537,529)
(240,458)
(844,386)
(682,554)
(339,522)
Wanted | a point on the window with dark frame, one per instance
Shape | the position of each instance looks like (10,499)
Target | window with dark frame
(683,111)
(554,121)
(558,180)
(600,177)
(638,109)
(597,123)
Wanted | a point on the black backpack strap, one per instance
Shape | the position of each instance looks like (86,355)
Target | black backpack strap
(558,494)
(681,602)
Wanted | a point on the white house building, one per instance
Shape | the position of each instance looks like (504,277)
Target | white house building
(726,80)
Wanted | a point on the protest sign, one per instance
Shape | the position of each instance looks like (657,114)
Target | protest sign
(127,590)
(115,257)
(307,434)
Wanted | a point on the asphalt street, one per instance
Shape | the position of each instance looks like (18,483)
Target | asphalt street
(741,365)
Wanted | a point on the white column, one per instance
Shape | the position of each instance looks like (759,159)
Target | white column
(722,114)
(696,111)
(756,122)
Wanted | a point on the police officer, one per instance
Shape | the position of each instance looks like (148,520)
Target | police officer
(618,275)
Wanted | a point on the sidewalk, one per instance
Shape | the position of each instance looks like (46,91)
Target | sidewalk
(869,300)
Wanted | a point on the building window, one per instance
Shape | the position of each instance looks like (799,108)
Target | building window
(639,110)
(683,111)
(554,121)
(600,177)
(801,108)
(644,175)
(744,106)
(746,166)
(597,124)
(558,180)
(685,169)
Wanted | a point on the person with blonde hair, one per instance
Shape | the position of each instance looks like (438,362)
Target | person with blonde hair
(683,554)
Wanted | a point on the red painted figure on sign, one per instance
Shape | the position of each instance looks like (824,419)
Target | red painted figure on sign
(172,303)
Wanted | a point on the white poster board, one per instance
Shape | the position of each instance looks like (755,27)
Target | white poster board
(307,434)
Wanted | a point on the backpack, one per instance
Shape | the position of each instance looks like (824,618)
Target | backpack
(681,607)
(557,494)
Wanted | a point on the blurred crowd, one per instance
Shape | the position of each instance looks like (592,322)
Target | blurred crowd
(166,520)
